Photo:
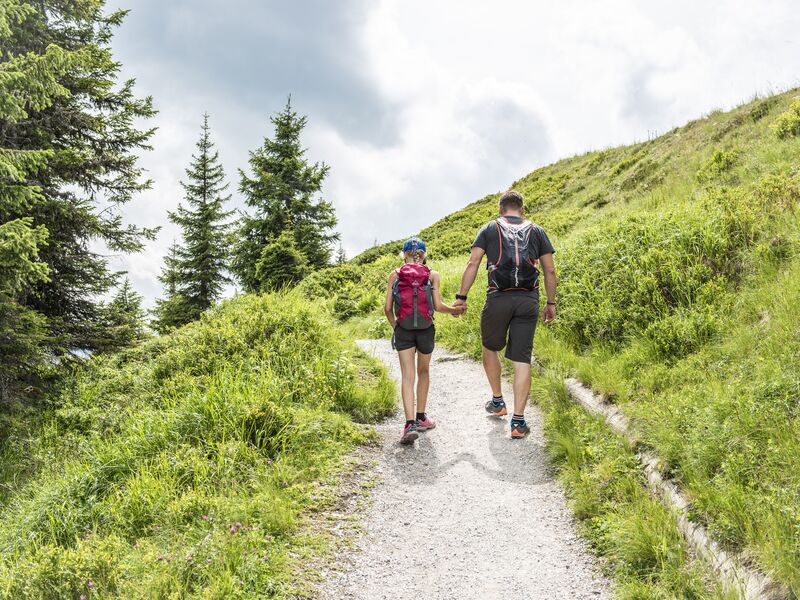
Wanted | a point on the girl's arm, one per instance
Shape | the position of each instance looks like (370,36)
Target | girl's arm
(388,304)
(438,305)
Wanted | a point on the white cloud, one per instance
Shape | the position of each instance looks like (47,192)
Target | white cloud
(422,107)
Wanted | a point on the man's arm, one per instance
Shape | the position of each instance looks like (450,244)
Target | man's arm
(470,272)
(550,283)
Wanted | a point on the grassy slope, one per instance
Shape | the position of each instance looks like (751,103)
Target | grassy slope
(680,280)
(184,467)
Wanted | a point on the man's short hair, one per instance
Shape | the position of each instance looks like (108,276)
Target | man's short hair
(511,200)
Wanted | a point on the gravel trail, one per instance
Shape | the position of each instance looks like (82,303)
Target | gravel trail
(464,513)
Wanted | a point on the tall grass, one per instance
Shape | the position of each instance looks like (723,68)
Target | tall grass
(184,467)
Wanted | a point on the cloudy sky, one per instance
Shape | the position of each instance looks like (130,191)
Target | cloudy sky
(421,106)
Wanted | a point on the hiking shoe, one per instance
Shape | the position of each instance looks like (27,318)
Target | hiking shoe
(496,409)
(410,434)
(425,424)
(519,430)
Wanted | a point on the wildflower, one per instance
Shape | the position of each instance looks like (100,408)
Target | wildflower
(233,529)
(90,584)
(205,517)
(238,525)
(83,597)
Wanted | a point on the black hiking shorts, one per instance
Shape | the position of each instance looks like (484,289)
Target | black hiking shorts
(421,339)
(509,321)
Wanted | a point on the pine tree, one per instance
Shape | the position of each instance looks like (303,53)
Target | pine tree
(283,193)
(174,309)
(125,316)
(28,82)
(195,271)
(73,112)
(341,257)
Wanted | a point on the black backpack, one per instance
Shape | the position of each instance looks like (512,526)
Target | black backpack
(514,269)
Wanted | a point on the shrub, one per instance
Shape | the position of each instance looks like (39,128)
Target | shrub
(620,278)
(379,329)
(281,264)
(181,466)
(345,306)
(720,163)
(788,123)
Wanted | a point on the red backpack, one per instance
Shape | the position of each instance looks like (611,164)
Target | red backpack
(413,297)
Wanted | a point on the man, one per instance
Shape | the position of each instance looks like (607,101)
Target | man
(512,246)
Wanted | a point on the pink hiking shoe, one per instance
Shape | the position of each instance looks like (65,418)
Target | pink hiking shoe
(425,424)
(410,434)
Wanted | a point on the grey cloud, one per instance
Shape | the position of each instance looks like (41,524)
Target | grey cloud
(511,140)
(513,136)
(639,104)
(256,53)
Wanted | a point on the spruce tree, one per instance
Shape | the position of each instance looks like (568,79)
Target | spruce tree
(196,270)
(282,192)
(28,82)
(173,310)
(81,119)
(341,257)
(125,316)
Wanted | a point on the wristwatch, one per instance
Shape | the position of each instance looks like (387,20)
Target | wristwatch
(551,303)
(460,297)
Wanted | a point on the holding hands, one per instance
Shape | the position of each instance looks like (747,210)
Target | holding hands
(460,305)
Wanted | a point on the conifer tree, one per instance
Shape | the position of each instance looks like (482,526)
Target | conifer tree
(341,257)
(28,83)
(195,272)
(173,310)
(282,192)
(73,112)
(125,316)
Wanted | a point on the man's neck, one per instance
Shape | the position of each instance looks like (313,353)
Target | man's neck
(512,214)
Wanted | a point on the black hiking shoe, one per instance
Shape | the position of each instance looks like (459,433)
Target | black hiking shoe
(519,430)
(496,409)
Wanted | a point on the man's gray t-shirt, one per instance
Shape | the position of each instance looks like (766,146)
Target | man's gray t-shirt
(488,240)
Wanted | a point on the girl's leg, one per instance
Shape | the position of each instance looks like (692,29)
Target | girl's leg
(423,380)
(407,386)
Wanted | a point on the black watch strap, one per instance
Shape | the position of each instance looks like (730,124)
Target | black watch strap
(460,297)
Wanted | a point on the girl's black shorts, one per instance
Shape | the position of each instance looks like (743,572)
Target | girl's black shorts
(421,339)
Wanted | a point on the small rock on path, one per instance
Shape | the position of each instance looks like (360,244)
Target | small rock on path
(464,513)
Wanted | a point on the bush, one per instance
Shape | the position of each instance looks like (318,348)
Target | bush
(281,264)
(345,306)
(379,329)
(181,466)
(619,279)
(787,124)
(720,163)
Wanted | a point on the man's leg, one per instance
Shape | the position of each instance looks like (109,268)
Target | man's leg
(522,386)
(407,384)
(493,368)
(495,318)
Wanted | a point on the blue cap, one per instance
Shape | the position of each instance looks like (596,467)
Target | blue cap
(413,243)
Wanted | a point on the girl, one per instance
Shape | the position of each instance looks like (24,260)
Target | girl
(412,296)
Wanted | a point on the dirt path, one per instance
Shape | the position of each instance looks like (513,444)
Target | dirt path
(466,512)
